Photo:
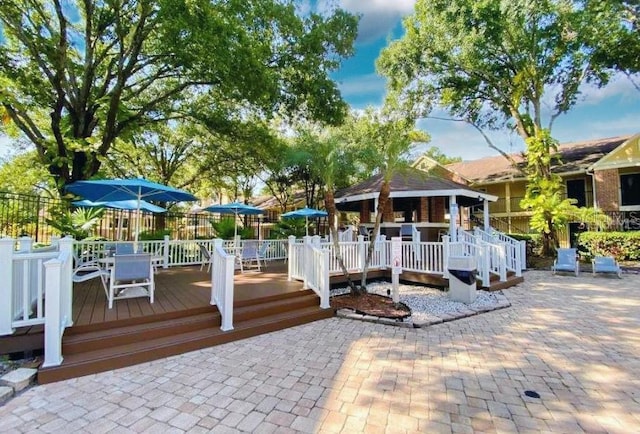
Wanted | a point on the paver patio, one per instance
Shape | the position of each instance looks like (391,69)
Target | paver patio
(575,341)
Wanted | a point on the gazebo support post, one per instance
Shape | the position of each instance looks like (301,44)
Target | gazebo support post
(453,217)
(485,212)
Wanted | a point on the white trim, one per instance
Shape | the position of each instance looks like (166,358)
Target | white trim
(602,164)
(419,193)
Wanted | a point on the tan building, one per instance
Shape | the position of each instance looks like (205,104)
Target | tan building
(602,173)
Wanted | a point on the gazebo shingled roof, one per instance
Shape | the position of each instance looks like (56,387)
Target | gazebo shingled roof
(409,182)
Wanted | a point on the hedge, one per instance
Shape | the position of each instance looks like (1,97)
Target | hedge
(624,246)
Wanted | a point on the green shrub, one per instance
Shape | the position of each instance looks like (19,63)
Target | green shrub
(154,235)
(225,228)
(624,246)
(534,242)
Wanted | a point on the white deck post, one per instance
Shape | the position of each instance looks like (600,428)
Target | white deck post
(362,252)
(445,256)
(25,245)
(227,317)
(52,314)
(6,289)
(324,281)
(290,257)
(523,254)
(165,252)
(307,262)
(518,253)
(485,262)
(66,288)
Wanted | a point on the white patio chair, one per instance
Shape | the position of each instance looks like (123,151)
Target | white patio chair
(606,264)
(131,276)
(206,258)
(567,261)
(249,256)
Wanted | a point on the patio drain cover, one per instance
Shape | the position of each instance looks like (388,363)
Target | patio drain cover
(531,394)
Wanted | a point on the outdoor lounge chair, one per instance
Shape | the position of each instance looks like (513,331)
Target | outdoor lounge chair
(206,258)
(606,264)
(249,256)
(567,261)
(131,276)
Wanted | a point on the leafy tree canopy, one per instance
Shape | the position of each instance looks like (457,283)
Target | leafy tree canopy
(76,76)
(491,62)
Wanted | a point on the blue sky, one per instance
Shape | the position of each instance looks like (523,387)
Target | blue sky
(611,111)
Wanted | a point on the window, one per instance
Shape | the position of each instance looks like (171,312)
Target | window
(630,189)
(576,190)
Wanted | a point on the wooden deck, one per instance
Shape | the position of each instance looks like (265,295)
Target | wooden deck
(177,289)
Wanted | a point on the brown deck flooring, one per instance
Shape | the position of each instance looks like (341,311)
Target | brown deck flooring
(177,289)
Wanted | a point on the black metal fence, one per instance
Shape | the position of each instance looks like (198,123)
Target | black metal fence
(27,215)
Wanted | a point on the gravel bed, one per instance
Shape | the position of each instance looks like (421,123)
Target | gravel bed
(426,302)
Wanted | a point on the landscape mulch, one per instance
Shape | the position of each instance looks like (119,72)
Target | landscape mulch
(371,304)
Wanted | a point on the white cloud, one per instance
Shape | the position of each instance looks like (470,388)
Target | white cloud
(378,17)
(362,86)
(619,86)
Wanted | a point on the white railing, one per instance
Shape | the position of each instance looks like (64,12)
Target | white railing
(352,252)
(424,257)
(515,250)
(222,270)
(296,259)
(316,272)
(23,274)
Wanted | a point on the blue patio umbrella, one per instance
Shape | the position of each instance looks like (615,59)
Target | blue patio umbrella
(306,213)
(138,189)
(237,208)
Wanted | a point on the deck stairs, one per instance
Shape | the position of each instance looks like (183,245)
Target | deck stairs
(95,348)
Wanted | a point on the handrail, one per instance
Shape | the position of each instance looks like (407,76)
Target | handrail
(316,272)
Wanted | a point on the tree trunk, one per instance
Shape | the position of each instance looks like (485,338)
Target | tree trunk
(330,204)
(383,199)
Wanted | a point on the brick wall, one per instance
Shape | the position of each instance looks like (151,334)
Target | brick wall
(423,210)
(436,209)
(607,189)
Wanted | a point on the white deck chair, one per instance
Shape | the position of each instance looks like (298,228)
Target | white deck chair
(206,258)
(131,276)
(249,256)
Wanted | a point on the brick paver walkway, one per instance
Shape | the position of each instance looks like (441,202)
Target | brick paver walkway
(575,341)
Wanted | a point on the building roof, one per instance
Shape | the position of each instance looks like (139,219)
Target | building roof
(409,182)
(575,157)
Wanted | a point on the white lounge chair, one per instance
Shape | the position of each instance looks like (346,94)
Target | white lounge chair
(567,261)
(249,257)
(206,258)
(606,264)
(131,276)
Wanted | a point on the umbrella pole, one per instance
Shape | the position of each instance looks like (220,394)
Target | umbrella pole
(135,240)
(306,225)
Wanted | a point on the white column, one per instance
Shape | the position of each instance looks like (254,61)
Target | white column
(290,257)
(485,212)
(6,289)
(165,252)
(453,217)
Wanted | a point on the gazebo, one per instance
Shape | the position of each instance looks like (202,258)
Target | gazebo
(431,203)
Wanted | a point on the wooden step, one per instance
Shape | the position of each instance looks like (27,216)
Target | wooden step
(125,344)
(84,342)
